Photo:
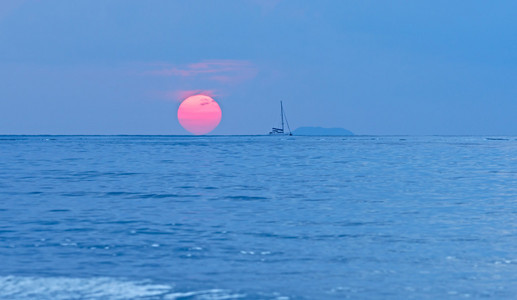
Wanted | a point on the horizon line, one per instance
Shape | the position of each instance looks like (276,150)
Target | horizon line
(221,135)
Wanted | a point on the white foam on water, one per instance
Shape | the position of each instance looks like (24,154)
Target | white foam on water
(214,294)
(17,287)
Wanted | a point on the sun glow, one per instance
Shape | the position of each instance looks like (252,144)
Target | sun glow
(199,114)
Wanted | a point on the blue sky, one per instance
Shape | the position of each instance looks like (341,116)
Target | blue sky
(373,67)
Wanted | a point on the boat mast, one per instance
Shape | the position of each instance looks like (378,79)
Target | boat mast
(282,115)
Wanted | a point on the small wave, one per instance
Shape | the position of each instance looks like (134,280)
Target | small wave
(497,139)
(13,287)
(56,288)
(247,198)
(160,196)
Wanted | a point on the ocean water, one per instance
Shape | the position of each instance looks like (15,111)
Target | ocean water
(257,217)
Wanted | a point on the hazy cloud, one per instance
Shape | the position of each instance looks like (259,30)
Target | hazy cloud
(180,95)
(223,71)
(213,76)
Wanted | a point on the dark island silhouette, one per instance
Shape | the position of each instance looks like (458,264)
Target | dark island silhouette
(321,131)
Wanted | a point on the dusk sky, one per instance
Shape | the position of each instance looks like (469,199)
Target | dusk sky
(372,67)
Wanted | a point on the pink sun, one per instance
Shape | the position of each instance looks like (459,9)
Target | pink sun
(199,114)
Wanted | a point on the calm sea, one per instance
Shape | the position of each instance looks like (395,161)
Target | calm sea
(257,217)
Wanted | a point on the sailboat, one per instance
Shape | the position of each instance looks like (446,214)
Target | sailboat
(281,131)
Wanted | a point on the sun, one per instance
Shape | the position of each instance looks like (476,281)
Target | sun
(199,114)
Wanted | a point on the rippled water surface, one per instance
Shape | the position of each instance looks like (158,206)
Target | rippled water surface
(254,217)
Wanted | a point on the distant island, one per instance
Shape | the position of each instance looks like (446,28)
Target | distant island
(321,131)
